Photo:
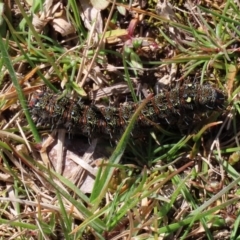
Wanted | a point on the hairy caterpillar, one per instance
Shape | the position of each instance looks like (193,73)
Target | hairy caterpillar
(167,107)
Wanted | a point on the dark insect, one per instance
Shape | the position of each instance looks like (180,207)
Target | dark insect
(168,107)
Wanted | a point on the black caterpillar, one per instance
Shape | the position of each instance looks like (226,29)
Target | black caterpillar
(180,104)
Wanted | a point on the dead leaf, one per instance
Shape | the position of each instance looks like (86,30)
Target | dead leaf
(39,23)
(100,4)
(62,26)
(54,14)
(90,16)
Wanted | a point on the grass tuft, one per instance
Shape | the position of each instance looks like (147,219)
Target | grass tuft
(168,182)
